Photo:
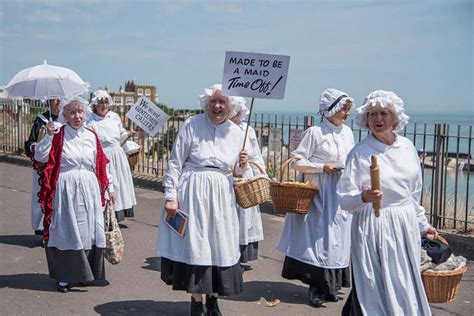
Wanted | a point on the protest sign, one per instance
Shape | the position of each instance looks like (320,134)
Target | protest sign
(255,75)
(296,135)
(147,115)
(274,142)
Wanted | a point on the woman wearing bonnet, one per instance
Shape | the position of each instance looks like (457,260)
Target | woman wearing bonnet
(198,182)
(72,196)
(317,245)
(109,129)
(385,250)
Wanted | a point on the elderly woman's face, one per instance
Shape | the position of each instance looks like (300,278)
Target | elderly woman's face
(341,116)
(74,114)
(380,120)
(102,107)
(218,108)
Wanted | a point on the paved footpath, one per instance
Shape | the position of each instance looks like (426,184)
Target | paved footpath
(134,285)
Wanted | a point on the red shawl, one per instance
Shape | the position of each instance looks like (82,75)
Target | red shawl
(49,177)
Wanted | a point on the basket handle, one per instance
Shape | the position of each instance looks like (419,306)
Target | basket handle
(285,166)
(260,168)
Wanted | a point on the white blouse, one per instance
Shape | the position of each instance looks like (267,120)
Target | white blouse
(109,129)
(200,143)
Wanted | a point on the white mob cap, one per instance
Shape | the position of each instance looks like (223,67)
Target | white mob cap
(99,95)
(384,99)
(235,103)
(76,99)
(332,101)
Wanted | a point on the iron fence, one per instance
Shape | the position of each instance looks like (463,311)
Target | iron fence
(445,152)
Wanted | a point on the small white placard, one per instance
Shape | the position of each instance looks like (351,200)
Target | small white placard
(255,75)
(147,115)
(274,142)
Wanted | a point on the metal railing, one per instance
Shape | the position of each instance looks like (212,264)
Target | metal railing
(445,153)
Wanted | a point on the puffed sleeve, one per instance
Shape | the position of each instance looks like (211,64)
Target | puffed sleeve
(179,154)
(349,186)
(123,131)
(416,196)
(311,139)
(43,147)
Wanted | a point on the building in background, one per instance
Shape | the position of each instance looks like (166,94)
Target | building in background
(125,98)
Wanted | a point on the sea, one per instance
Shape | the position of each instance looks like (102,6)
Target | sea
(420,130)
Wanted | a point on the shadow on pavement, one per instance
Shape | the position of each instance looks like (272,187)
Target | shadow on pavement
(28,281)
(154,264)
(145,307)
(29,241)
(285,292)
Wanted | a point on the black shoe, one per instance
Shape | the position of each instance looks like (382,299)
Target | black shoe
(197,308)
(246,267)
(315,298)
(62,288)
(333,298)
(212,307)
(39,232)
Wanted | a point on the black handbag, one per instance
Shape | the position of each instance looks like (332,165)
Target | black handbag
(438,251)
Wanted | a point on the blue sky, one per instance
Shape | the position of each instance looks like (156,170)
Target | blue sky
(422,50)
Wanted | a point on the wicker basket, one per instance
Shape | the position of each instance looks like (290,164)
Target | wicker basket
(442,286)
(291,197)
(133,158)
(252,192)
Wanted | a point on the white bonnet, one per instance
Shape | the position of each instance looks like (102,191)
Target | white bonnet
(235,103)
(384,99)
(99,95)
(327,108)
(66,102)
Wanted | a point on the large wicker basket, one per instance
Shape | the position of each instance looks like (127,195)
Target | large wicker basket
(442,286)
(249,193)
(291,197)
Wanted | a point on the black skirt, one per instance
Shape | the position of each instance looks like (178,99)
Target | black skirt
(120,215)
(75,266)
(249,252)
(202,279)
(328,281)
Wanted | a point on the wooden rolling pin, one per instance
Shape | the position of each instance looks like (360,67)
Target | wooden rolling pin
(375,182)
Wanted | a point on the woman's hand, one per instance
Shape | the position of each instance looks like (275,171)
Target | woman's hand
(50,128)
(370,196)
(243,158)
(171,208)
(430,233)
(132,133)
(330,169)
(112,197)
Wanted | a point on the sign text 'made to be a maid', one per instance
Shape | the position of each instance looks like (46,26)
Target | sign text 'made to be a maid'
(255,75)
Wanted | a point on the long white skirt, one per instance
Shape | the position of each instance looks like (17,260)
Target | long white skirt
(211,238)
(78,221)
(122,178)
(36,214)
(250,224)
(322,237)
(386,261)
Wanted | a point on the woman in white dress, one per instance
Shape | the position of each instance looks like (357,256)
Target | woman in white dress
(72,197)
(109,129)
(250,220)
(199,182)
(385,250)
(317,245)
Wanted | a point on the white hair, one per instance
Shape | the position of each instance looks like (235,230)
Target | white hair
(387,100)
(235,103)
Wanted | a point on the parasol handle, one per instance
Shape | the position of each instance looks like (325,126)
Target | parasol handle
(375,182)
(248,123)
